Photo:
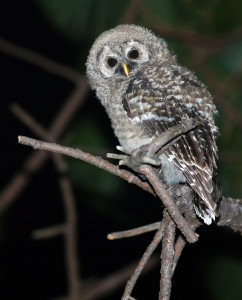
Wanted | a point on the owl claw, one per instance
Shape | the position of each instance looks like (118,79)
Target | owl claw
(121,149)
(116,156)
(149,158)
(135,158)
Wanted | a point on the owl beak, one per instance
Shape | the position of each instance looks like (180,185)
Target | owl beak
(126,70)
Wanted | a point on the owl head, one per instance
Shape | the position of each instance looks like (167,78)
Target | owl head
(121,52)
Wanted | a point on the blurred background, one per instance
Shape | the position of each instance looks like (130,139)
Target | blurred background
(43,49)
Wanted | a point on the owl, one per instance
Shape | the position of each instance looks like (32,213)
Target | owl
(145,91)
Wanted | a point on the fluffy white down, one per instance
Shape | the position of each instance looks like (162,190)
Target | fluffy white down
(170,172)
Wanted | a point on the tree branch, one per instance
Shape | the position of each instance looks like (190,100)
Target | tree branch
(40,60)
(182,194)
(167,255)
(173,210)
(36,160)
(146,256)
(94,160)
(133,232)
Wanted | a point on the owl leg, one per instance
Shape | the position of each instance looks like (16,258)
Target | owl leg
(135,158)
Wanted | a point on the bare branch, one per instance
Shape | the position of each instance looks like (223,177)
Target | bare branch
(29,121)
(94,160)
(133,232)
(36,160)
(146,256)
(183,197)
(20,180)
(40,61)
(167,255)
(50,232)
(105,286)
(72,262)
(69,229)
(169,203)
(231,213)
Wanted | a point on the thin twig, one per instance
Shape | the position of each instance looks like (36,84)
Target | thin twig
(146,256)
(20,180)
(72,262)
(29,121)
(50,232)
(94,160)
(37,160)
(169,203)
(167,255)
(69,109)
(39,60)
(69,229)
(105,286)
(133,232)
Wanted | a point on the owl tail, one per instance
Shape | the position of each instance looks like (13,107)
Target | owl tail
(202,209)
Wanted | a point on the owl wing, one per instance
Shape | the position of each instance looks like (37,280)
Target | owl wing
(157,106)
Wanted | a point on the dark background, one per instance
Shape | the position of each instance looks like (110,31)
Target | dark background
(207,37)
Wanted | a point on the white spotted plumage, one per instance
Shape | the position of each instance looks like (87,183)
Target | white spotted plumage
(157,94)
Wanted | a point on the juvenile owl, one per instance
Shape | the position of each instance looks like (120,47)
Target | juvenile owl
(145,91)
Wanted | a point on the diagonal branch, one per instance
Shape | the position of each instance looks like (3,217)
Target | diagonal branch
(39,60)
(169,203)
(37,160)
(146,256)
(94,160)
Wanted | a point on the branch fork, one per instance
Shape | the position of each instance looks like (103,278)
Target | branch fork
(141,160)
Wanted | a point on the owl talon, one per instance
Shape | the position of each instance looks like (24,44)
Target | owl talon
(135,158)
(121,157)
(121,149)
(150,159)
(116,156)
(139,156)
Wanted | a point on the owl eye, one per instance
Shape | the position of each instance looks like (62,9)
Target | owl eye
(112,62)
(133,54)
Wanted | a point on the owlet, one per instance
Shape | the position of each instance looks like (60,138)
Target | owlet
(145,91)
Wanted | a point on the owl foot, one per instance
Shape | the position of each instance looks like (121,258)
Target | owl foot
(135,158)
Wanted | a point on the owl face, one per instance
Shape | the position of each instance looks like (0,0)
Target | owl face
(120,53)
(122,60)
